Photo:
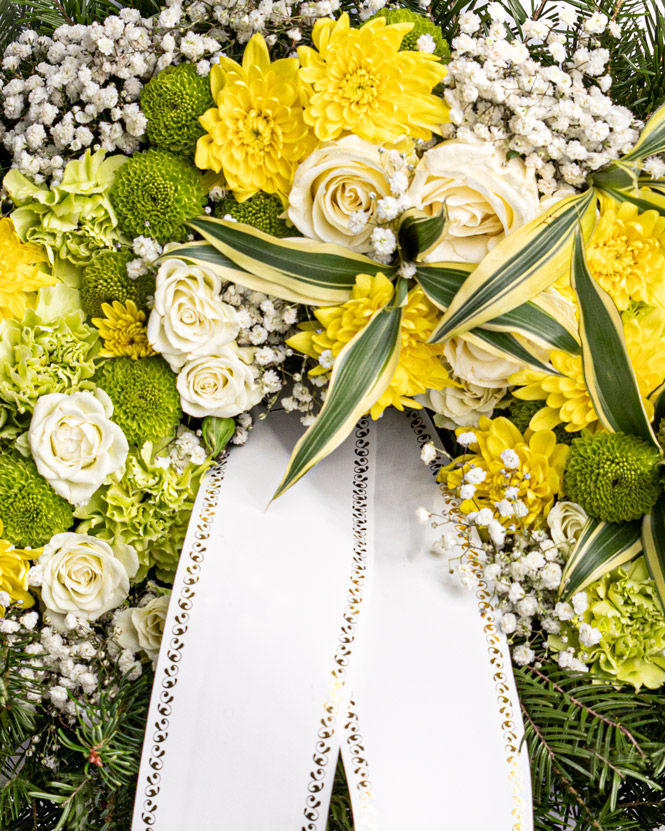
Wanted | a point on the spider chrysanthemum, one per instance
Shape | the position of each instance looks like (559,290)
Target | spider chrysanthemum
(359,81)
(255,134)
(123,331)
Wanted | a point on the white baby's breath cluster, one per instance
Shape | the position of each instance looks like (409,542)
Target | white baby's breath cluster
(81,88)
(265,324)
(542,97)
(66,669)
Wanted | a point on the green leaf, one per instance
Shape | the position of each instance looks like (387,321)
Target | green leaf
(616,176)
(652,138)
(608,373)
(601,547)
(418,232)
(536,320)
(657,398)
(361,374)
(521,266)
(324,272)
(644,199)
(653,545)
(504,344)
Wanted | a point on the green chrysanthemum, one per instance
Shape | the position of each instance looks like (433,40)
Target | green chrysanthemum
(262,211)
(148,506)
(521,412)
(613,476)
(51,349)
(422,26)
(146,403)
(31,511)
(172,102)
(106,280)
(155,193)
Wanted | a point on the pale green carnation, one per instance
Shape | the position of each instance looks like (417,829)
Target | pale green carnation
(73,220)
(148,506)
(623,608)
(51,349)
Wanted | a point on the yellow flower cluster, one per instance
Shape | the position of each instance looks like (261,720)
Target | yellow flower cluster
(419,367)
(537,478)
(268,117)
(565,396)
(20,272)
(14,567)
(123,331)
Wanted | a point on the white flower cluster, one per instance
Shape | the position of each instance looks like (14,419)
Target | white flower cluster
(65,668)
(554,114)
(81,88)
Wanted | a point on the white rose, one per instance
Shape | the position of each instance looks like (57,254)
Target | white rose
(566,520)
(188,318)
(333,183)
(475,365)
(462,407)
(222,385)
(74,443)
(486,197)
(85,576)
(142,628)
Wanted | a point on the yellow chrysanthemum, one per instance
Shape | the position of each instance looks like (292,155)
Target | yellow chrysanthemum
(537,478)
(14,567)
(419,367)
(20,273)
(566,398)
(361,83)
(255,135)
(123,331)
(626,254)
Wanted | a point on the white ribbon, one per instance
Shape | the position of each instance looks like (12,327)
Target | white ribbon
(324,625)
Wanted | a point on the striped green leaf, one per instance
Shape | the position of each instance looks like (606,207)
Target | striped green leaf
(616,176)
(608,373)
(418,232)
(652,138)
(536,320)
(361,374)
(307,267)
(601,547)
(204,254)
(645,181)
(644,199)
(657,398)
(521,266)
(653,545)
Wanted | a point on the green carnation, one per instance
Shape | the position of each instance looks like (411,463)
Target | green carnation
(422,26)
(31,511)
(613,476)
(73,220)
(262,211)
(106,280)
(521,412)
(155,193)
(172,102)
(146,403)
(51,349)
(622,632)
(148,506)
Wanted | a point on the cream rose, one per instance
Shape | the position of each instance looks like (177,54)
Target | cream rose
(333,183)
(222,385)
(188,319)
(141,629)
(475,365)
(487,197)
(462,407)
(74,443)
(85,576)
(566,520)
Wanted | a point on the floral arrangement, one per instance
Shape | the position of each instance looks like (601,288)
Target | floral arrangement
(211,209)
